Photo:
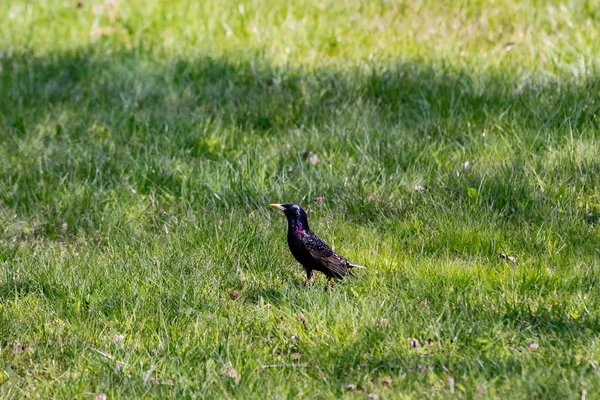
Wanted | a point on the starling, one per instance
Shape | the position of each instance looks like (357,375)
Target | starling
(309,250)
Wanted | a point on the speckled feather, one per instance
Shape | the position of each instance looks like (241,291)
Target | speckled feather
(309,250)
(336,265)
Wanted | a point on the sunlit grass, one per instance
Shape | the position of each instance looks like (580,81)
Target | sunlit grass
(142,141)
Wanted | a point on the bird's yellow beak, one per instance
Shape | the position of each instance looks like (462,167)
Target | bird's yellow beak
(279,206)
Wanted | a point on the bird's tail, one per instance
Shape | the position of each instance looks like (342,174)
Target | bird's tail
(352,265)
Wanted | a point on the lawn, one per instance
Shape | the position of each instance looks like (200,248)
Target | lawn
(141,143)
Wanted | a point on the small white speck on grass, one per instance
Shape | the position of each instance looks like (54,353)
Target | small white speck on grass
(284,365)
(451,384)
(466,165)
(118,367)
(100,396)
(98,9)
(228,30)
(350,386)
(18,348)
(148,374)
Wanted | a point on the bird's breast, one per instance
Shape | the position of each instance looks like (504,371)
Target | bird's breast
(297,246)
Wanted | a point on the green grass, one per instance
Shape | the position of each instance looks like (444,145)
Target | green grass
(138,155)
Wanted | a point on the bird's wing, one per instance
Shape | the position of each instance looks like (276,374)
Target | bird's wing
(352,265)
(319,250)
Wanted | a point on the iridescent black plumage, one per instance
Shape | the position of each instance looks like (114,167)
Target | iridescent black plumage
(309,250)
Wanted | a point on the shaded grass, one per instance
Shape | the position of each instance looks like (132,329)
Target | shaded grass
(138,258)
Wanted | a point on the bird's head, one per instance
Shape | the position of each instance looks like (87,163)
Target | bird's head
(294,213)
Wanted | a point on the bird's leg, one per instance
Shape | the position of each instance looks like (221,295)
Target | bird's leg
(328,285)
(309,277)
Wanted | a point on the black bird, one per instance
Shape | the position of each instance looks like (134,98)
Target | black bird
(309,250)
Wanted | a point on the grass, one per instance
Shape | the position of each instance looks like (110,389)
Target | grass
(142,141)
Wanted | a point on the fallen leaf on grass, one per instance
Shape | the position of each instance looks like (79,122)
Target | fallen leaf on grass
(420,188)
(320,200)
(414,343)
(100,396)
(533,346)
(509,258)
(380,321)
(303,319)
(234,294)
(311,157)
(168,382)
(387,382)
(230,372)
(296,356)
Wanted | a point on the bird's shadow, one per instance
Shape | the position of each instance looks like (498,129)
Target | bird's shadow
(277,295)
